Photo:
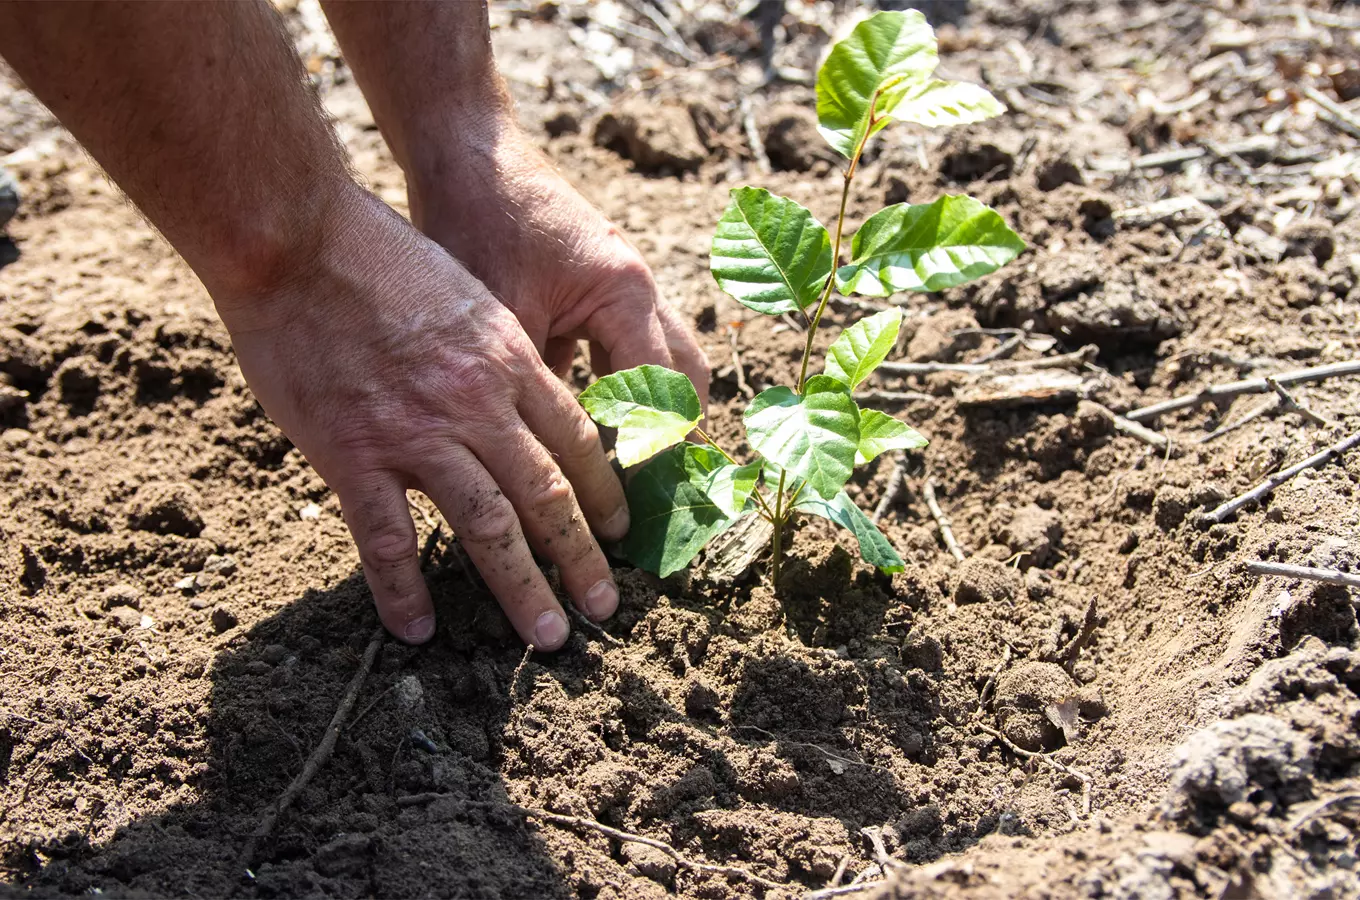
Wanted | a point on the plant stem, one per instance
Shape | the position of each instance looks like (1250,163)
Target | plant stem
(835,251)
(778,541)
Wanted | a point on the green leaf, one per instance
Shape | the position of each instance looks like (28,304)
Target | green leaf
(873,546)
(813,436)
(728,485)
(651,406)
(880,432)
(937,103)
(770,253)
(928,247)
(883,59)
(672,517)
(862,346)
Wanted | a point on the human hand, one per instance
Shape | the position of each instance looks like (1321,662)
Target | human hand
(390,367)
(551,257)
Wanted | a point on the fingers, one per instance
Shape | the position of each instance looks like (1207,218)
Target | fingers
(629,332)
(489,529)
(546,503)
(566,431)
(380,522)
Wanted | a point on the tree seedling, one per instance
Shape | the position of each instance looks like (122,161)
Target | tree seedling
(773,256)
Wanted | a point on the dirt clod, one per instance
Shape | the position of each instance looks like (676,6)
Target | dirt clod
(166,509)
(1025,696)
(1031,531)
(982,580)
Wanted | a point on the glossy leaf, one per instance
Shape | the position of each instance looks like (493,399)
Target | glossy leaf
(862,346)
(939,103)
(873,69)
(651,406)
(813,436)
(873,546)
(927,247)
(672,516)
(770,253)
(880,432)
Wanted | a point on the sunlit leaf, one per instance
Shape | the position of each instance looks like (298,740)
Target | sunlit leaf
(728,485)
(938,103)
(862,346)
(813,436)
(651,406)
(873,546)
(770,253)
(879,63)
(927,247)
(880,432)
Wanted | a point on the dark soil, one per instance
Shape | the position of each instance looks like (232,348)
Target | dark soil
(182,607)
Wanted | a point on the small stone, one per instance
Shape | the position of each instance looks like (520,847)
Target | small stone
(200,603)
(223,619)
(146,623)
(121,594)
(219,565)
(188,583)
(309,512)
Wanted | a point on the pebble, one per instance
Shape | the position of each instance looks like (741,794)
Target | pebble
(223,619)
(121,594)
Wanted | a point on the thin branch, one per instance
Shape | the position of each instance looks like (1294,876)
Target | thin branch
(1048,760)
(1132,428)
(1288,402)
(896,481)
(893,397)
(322,754)
(833,757)
(566,821)
(748,127)
(1074,360)
(1255,494)
(1247,386)
(1336,115)
(1250,416)
(1307,573)
(946,528)
(844,890)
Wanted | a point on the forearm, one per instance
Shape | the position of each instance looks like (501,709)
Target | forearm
(200,113)
(427,71)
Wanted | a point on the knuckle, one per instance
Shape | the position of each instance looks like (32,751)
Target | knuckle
(553,491)
(582,441)
(387,549)
(491,520)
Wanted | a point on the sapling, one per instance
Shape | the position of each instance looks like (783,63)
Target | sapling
(773,256)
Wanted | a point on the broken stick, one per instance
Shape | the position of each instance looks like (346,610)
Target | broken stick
(322,754)
(1076,359)
(946,528)
(1132,428)
(1318,459)
(1247,386)
(896,481)
(1307,573)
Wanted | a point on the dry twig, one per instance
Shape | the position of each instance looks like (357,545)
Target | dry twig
(892,397)
(1048,760)
(1307,573)
(1250,416)
(1132,428)
(946,528)
(1317,460)
(1246,386)
(986,694)
(1067,655)
(566,821)
(1075,359)
(1288,402)
(1335,114)
(738,369)
(896,481)
(322,754)
(748,127)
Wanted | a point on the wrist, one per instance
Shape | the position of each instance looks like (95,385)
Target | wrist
(256,264)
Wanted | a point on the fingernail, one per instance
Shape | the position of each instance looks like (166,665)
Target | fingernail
(617,526)
(550,631)
(418,631)
(601,600)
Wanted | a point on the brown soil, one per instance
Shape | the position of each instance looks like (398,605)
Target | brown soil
(182,608)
